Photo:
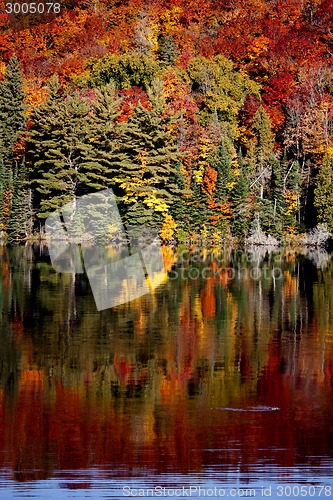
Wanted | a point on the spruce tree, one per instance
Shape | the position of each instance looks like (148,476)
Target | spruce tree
(167,49)
(262,152)
(292,193)
(224,166)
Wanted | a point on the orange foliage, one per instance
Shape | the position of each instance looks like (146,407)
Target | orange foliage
(209,181)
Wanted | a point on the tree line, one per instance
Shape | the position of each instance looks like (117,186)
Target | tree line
(191,151)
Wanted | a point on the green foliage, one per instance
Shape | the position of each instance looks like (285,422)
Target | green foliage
(82,142)
(14,213)
(264,141)
(222,88)
(323,200)
(59,147)
(12,119)
(226,162)
(124,71)
(103,153)
(150,172)
(241,206)
(277,186)
(20,223)
(167,49)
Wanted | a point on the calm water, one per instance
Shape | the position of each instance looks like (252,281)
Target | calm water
(219,383)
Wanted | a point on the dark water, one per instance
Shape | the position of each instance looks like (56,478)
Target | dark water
(219,383)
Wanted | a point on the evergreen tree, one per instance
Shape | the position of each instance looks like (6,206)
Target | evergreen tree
(59,147)
(240,205)
(12,122)
(167,49)
(292,193)
(20,222)
(263,150)
(12,118)
(261,128)
(196,208)
(276,196)
(149,174)
(103,154)
(178,209)
(227,168)
(323,194)
(262,165)
(224,164)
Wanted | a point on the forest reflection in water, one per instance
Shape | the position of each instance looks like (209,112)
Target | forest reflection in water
(153,387)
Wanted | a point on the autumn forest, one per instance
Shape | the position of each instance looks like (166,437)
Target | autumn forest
(205,118)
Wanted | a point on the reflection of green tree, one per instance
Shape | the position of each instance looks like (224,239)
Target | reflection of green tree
(159,336)
(11,307)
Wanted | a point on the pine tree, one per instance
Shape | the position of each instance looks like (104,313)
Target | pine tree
(262,164)
(59,150)
(227,168)
(323,194)
(224,165)
(178,209)
(149,174)
(292,193)
(263,150)
(12,119)
(20,222)
(276,196)
(167,49)
(12,122)
(103,154)
(261,128)
(240,205)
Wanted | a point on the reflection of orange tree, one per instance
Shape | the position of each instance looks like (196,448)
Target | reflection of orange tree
(137,383)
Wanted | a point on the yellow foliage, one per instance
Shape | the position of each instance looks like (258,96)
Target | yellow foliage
(170,18)
(134,188)
(2,68)
(169,256)
(258,46)
(157,204)
(216,235)
(206,148)
(291,199)
(35,96)
(111,230)
(204,232)
(198,174)
(168,228)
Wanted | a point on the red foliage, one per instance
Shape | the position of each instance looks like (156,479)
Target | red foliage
(131,98)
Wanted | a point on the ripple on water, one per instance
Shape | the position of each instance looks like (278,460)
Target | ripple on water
(250,409)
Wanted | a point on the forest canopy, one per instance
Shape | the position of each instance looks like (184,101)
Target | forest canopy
(205,118)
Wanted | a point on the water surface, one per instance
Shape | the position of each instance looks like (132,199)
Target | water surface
(220,378)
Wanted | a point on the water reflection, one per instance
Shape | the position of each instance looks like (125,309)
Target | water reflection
(137,391)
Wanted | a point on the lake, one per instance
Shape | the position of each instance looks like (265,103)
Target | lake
(217,383)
